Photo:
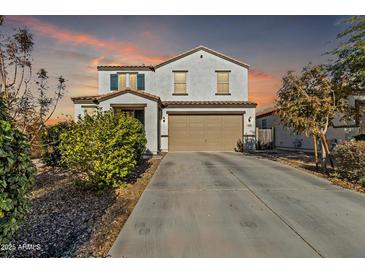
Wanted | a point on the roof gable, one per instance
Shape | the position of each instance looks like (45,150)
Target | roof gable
(99,98)
(172,59)
(131,91)
(203,48)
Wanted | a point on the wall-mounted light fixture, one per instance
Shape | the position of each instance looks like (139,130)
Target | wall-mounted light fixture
(163,119)
(249,119)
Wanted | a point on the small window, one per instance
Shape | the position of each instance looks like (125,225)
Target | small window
(180,82)
(89,110)
(222,82)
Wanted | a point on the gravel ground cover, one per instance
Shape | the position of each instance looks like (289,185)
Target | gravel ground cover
(68,221)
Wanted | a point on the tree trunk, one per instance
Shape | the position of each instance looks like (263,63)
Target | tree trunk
(324,140)
(315,151)
(324,159)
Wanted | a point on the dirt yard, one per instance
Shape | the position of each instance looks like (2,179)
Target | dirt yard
(68,221)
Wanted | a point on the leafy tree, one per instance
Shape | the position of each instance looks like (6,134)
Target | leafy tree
(348,70)
(307,104)
(16,176)
(103,147)
(27,101)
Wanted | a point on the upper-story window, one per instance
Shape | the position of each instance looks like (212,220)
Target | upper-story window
(180,82)
(123,80)
(127,80)
(133,80)
(222,82)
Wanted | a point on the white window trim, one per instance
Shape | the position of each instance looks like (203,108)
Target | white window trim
(174,83)
(229,86)
(127,78)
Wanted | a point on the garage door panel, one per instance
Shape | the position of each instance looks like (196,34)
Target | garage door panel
(204,132)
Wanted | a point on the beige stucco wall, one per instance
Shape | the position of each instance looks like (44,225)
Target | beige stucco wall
(201,79)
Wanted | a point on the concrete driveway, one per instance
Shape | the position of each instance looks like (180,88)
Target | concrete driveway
(228,205)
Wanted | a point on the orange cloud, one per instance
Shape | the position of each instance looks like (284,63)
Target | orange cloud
(263,87)
(95,61)
(130,51)
(255,75)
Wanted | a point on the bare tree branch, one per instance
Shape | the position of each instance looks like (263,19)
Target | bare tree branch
(27,99)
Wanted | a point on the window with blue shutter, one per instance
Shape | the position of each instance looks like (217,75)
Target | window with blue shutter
(113,81)
(140,81)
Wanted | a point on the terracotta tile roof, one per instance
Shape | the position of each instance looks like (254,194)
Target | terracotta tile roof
(102,97)
(204,103)
(176,57)
(120,67)
(89,97)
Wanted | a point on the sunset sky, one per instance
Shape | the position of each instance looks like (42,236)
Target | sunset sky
(73,46)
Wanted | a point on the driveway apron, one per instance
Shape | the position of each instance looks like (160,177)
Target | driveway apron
(201,204)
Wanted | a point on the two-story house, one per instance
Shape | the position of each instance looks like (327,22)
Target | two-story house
(195,101)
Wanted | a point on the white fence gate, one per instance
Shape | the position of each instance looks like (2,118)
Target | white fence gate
(265,138)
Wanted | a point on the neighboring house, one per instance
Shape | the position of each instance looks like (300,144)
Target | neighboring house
(195,101)
(266,118)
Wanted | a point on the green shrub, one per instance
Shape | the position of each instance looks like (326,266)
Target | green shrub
(50,140)
(104,147)
(17,175)
(350,161)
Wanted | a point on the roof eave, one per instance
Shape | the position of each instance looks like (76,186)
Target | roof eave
(99,98)
(134,92)
(264,114)
(205,104)
(216,53)
(125,68)
(172,59)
